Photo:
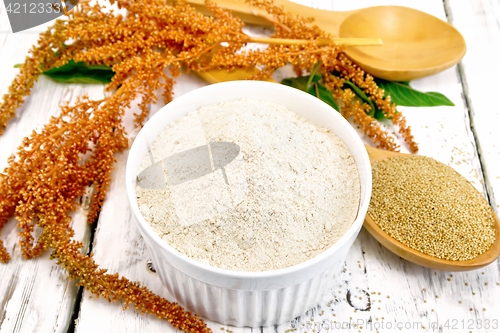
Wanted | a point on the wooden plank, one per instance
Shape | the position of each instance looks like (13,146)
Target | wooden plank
(35,295)
(479,22)
(119,247)
(398,291)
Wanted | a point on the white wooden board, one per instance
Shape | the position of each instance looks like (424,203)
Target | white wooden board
(35,295)
(405,294)
(479,22)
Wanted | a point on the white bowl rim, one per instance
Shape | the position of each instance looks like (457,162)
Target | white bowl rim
(224,273)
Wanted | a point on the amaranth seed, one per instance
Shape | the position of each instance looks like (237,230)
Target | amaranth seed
(431,208)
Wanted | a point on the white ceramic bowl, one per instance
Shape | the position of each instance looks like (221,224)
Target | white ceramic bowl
(248,298)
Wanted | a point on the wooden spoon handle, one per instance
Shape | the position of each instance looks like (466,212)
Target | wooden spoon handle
(328,20)
(241,9)
(319,42)
(377,155)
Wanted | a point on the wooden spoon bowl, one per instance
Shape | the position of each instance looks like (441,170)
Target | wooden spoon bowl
(417,257)
(415,44)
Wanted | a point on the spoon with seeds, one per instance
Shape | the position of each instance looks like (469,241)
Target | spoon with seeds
(415,44)
(418,257)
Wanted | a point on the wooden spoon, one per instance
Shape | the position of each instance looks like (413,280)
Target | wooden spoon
(416,44)
(405,252)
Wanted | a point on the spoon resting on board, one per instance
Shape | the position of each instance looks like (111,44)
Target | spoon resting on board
(417,257)
(415,44)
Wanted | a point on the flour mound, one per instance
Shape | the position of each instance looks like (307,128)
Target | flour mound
(291,192)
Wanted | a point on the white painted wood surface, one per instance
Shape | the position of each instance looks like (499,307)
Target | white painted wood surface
(36,296)
(479,23)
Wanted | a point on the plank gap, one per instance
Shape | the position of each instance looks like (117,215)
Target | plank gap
(76,310)
(79,295)
(470,112)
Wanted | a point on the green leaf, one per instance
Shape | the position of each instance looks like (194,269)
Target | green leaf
(325,95)
(80,72)
(300,82)
(379,114)
(313,74)
(316,89)
(402,94)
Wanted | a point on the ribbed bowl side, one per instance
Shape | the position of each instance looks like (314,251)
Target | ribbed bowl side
(249,308)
